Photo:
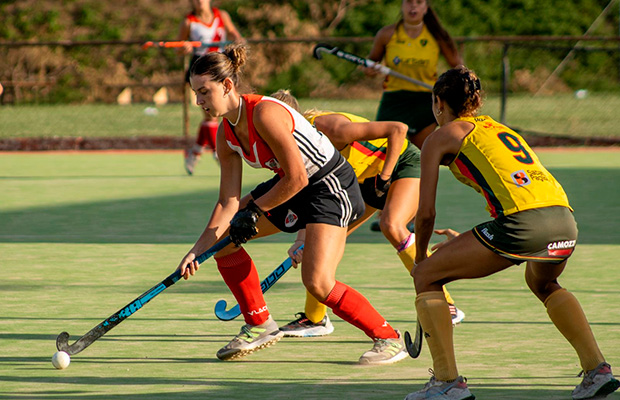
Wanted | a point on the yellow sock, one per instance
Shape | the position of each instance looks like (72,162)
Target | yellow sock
(434,316)
(407,257)
(315,311)
(568,316)
(447,295)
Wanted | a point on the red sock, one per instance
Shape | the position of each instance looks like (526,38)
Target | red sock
(207,134)
(350,305)
(239,273)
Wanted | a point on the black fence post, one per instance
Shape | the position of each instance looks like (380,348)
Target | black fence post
(505,78)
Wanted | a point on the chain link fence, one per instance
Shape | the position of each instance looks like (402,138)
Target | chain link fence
(562,86)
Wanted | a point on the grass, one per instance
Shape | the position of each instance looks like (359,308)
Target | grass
(82,234)
(561,114)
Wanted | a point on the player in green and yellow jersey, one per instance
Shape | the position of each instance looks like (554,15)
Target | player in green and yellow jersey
(412,46)
(532,222)
(387,167)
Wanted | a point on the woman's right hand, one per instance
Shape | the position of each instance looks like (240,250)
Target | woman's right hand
(295,253)
(189,265)
(372,71)
(187,47)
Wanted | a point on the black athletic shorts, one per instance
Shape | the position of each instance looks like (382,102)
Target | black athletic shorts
(332,197)
(547,234)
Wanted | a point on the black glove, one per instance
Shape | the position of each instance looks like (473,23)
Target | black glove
(374,191)
(243,224)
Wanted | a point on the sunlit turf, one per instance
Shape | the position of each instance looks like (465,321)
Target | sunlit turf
(83,234)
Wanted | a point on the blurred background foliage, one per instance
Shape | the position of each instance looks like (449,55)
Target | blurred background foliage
(96,73)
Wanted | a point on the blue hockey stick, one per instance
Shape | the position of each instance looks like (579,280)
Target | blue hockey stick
(62,341)
(228,315)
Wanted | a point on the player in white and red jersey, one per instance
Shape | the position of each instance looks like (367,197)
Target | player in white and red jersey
(313,188)
(207,25)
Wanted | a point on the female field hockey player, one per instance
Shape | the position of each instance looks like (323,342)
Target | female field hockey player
(204,24)
(411,46)
(387,167)
(314,188)
(532,223)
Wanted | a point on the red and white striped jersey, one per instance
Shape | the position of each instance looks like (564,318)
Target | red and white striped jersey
(206,33)
(315,148)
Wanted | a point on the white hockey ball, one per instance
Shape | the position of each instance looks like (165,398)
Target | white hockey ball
(61,360)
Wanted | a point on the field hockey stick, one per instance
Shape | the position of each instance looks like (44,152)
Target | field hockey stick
(62,341)
(415,348)
(228,315)
(170,44)
(364,62)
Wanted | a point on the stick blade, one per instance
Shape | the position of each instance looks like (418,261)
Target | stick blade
(62,342)
(226,315)
(414,348)
(322,47)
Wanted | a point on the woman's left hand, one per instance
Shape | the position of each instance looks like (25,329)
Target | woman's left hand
(243,224)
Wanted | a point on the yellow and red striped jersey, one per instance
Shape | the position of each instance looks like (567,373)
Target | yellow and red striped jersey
(366,157)
(498,163)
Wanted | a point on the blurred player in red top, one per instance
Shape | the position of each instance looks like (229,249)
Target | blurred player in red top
(204,24)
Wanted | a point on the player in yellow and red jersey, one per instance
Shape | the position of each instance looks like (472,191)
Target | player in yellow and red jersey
(387,168)
(532,222)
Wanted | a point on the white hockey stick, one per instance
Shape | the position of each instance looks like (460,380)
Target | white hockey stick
(335,51)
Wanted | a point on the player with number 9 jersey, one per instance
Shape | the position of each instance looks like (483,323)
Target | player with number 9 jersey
(532,222)
(515,180)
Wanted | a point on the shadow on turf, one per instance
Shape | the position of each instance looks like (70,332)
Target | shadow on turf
(283,388)
(180,218)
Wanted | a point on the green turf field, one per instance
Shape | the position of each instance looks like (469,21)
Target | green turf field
(83,234)
(561,114)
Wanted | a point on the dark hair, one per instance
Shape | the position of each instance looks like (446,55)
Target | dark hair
(220,66)
(431,20)
(460,88)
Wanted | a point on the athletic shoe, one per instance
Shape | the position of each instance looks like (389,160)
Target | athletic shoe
(596,384)
(440,390)
(191,158)
(303,327)
(457,315)
(385,351)
(250,339)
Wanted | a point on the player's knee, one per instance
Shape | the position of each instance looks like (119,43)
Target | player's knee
(317,288)
(389,227)
(541,288)
(420,279)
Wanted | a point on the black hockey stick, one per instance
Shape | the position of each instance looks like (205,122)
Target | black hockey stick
(335,51)
(62,341)
(228,315)
(415,348)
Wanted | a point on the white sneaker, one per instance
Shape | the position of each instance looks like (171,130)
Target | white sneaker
(457,315)
(385,351)
(596,384)
(303,327)
(440,390)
